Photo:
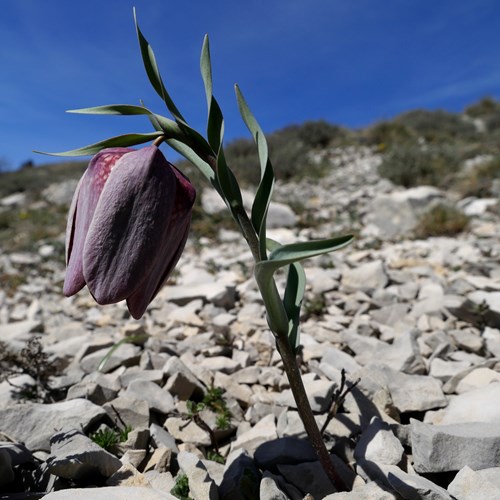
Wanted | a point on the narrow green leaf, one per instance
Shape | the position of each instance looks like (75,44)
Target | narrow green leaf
(196,160)
(229,185)
(295,252)
(206,69)
(215,123)
(126,340)
(125,140)
(112,109)
(264,191)
(151,67)
(292,300)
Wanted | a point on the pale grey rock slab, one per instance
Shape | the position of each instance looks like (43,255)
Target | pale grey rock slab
(390,217)
(441,448)
(220,363)
(124,354)
(369,491)
(110,493)
(414,392)
(162,438)
(368,277)
(27,422)
(409,486)
(75,456)
(134,412)
(339,359)
(390,315)
(468,340)
(240,392)
(403,354)
(88,389)
(216,292)
(477,405)
(247,375)
(263,431)
(269,489)
(378,444)
(444,370)
(201,485)
(134,373)
(477,378)
(157,398)
(471,484)
(492,340)
(181,381)
(187,432)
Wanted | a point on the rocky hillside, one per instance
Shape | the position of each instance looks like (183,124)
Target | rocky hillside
(192,402)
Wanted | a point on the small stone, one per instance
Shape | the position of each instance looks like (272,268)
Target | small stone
(75,456)
(471,484)
(476,379)
(263,431)
(201,485)
(27,422)
(187,432)
(181,381)
(109,493)
(368,277)
(132,412)
(476,405)
(157,398)
(269,489)
(441,448)
(128,475)
(378,444)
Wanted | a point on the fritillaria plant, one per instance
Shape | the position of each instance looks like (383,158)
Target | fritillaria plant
(130,217)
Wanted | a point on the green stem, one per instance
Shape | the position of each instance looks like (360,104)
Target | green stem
(278,323)
(305,411)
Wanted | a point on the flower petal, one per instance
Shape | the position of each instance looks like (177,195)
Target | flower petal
(81,212)
(127,231)
(174,240)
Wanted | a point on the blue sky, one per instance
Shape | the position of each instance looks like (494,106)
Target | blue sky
(349,62)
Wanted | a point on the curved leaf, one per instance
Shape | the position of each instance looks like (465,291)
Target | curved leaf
(295,252)
(292,300)
(153,72)
(125,140)
(215,123)
(112,109)
(263,195)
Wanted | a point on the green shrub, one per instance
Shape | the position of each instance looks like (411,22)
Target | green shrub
(437,126)
(412,165)
(387,134)
(483,108)
(479,181)
(441,220)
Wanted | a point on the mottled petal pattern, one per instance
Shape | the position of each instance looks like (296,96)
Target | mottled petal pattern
(127,227)
(82,210)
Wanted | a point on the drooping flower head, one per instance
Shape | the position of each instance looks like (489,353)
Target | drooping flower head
(127,226)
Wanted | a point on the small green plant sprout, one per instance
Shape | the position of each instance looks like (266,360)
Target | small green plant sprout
(109,274)
(181,488)
(108,438)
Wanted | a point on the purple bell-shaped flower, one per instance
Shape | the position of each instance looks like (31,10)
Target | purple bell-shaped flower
(127,226)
